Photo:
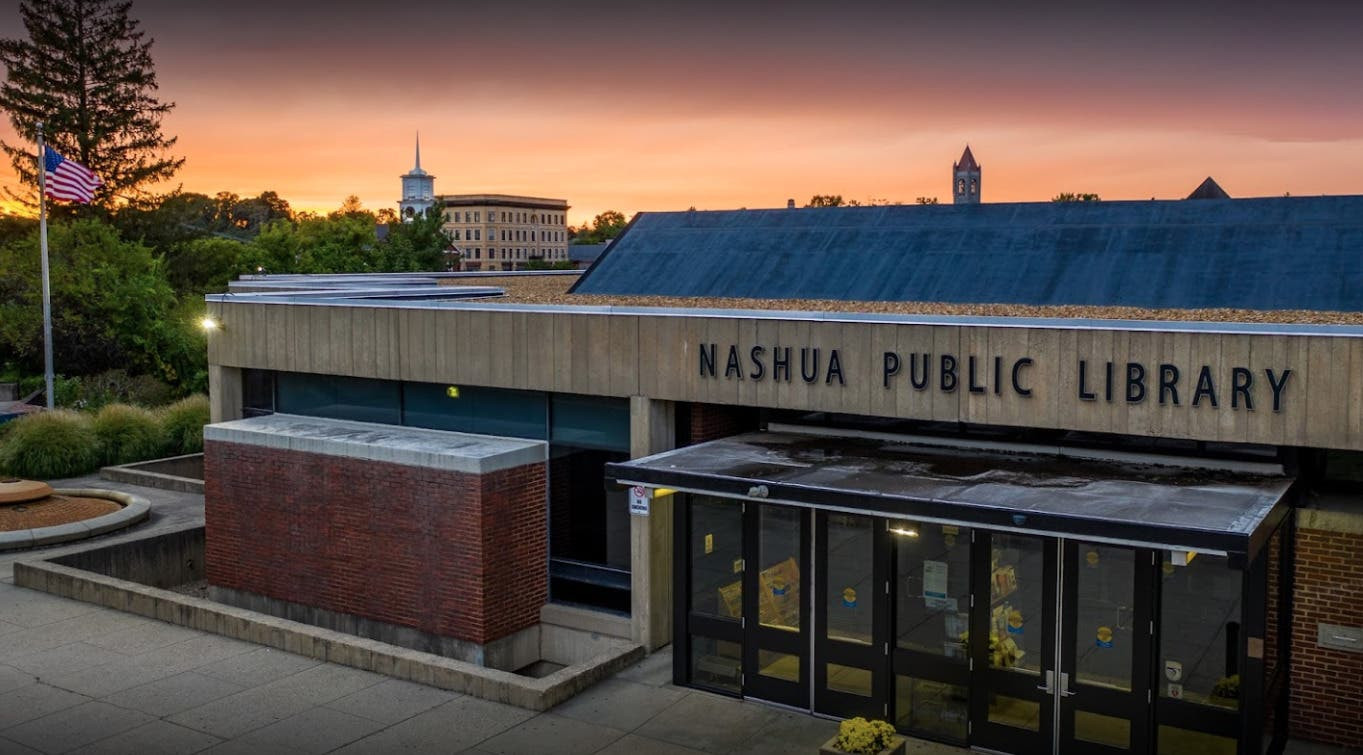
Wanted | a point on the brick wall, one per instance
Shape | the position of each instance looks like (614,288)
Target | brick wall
(714,421)
(1327,685)
(452,554)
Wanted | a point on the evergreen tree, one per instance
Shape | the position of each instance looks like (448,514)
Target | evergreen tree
(86,72)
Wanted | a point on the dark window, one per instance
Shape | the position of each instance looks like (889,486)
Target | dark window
(471,409)
(338,397)
(257,392)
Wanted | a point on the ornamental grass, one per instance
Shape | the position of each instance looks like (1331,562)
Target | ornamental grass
(50,445)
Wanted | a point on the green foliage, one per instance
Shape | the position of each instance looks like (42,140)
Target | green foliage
(1071,197)
(204,265)
(825,200)
(112,308)
(861,737)
(925,200)
(182,425)
(90,392)
(50,445)
(128,433)
(338,243)
(86,71)
(415,246)
(603,228)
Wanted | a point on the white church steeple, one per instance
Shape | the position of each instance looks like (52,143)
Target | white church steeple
(418,188)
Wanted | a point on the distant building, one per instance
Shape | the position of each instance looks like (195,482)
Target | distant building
(583,255)
(418,189)
(504,232)
(965,179)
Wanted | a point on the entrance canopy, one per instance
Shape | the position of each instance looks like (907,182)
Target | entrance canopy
(1146,504)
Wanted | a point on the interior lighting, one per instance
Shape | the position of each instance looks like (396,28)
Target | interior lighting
(904,532)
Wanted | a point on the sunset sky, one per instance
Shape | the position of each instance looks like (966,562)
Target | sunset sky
(641,106)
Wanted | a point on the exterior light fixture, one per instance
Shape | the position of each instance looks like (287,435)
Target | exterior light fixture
(904,532)
(208,323)
(1182,558)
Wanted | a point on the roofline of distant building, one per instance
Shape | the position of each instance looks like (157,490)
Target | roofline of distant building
(502,200)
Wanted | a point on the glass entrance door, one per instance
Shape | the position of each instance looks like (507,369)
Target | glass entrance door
(776,644)
(1012,643)
(851,642)
(1106,647)
(1060,649)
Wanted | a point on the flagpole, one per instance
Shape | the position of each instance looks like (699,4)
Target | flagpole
(47,286)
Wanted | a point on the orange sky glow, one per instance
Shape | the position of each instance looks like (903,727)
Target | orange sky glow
(632,107)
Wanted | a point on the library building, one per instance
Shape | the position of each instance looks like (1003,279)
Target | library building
(1030,477)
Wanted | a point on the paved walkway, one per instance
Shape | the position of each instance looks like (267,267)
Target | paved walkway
(78,678)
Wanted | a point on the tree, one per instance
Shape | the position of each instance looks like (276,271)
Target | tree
(111,307)
(825,200)
(604,227)
(204,265)
(926,200)
(86,72)
(1069,197)
(416,246)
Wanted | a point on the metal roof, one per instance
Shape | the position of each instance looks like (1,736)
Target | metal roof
(1301,253)
(1146,504)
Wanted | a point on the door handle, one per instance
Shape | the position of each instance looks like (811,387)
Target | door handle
(1050,679)
(1065,690)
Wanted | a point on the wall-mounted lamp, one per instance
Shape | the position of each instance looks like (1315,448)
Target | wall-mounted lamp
(209,324)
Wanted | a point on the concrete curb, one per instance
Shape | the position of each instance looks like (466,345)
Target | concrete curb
(135,509)
(135,474)
(326,645)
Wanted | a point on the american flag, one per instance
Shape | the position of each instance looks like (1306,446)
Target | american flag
(67,179)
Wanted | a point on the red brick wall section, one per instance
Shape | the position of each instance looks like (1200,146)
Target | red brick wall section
(715,421)
(452,554)
(1327,685)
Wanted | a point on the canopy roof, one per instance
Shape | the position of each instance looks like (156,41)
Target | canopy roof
(1138,504)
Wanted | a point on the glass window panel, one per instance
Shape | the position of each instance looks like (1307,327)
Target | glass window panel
(1017,594)
(1104,620)
(257,392)
(1103,730)
(1175,741)
(588,517)
(931,707)
(472,409)
(849,679)
(778,665)
(934,587)
(590,422)
(850,590)
(716,663)
(779,563)
(716,557)
(335,397)
(1015,712)
(1200,631)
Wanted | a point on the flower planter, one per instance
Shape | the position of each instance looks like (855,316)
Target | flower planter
(898,748)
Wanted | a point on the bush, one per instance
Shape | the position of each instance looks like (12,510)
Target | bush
(862,737)
(127,434)
(182,424)
(50,445)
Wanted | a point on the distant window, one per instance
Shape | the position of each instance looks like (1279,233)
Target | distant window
(478,234)
(447,217)
(456,234)
(477,217)
(973,186)
(960,186)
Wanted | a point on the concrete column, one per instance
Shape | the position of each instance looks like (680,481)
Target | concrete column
(652,429)
(224,393)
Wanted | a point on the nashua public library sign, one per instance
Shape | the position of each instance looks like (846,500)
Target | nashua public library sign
(1236,386)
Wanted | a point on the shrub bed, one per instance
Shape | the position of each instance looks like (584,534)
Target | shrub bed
(128,433)
(183,425)
(50,445)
